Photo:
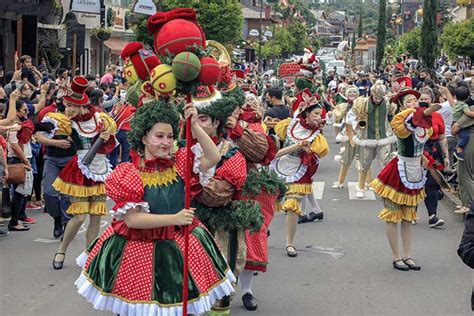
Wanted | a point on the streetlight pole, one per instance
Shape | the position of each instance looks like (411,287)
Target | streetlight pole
(260,66)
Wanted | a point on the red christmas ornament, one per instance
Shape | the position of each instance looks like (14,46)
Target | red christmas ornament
(175,31)
(210,71)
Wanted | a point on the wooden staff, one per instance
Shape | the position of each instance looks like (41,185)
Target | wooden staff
(187,204)
(291,149)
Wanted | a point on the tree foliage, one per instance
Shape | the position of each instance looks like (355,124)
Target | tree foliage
(458,39)
(428,48)
(381,32)
(287,40)
(221,20)
(360,29)
(410,42)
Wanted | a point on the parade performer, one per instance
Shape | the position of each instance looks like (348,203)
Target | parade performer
(401,182)
(261,186)
(308,145)
(309,64)
(348,150)
(82,182)
(143,248)
(219,200)
(337,112)
(368,127)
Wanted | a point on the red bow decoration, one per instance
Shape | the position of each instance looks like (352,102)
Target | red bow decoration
(307,101)
(159,19)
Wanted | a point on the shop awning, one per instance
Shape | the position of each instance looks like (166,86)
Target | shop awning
(115,44)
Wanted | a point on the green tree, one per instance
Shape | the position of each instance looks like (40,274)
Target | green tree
(381,32)
(141,31)
(353,45)
(271,49)
(285,41)
(222,21)
(410,42)
(458,39)
(298,37)
(428,29)
(359,25)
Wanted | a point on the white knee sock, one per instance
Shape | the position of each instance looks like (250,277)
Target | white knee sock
(245,279)
(314,204)
(303,206)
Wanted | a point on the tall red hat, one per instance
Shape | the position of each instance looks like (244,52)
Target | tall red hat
(142,60)
(400,83)
(76,92)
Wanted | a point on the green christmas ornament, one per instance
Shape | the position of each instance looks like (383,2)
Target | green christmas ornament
(186,66)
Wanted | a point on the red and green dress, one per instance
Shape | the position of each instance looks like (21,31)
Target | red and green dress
(401,183)
(140,271)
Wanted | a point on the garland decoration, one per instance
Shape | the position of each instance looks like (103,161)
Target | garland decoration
(263,180)
(236,215)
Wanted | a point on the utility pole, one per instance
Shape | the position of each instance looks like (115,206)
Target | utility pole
(19,35)
(101,43)
(74,51)
(260,38)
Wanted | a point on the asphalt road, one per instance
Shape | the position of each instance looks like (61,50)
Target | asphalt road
(343,265)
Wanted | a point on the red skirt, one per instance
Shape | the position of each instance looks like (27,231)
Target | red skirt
(257,243)
(71,173)
(388,184)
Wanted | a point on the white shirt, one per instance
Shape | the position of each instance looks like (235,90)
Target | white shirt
(13,139)
(447,113)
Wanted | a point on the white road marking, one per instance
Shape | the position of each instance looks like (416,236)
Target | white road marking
(47,240)
(369,195)
(318,189)
(334,252)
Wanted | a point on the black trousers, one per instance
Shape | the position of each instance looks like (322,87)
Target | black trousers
(18,202)
(431,199)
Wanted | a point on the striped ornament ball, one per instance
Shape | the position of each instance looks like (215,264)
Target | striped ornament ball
(186,66)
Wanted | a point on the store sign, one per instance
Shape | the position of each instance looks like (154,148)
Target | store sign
(254,32)
(88,19)
(118,18)
(145,7)
(87,6)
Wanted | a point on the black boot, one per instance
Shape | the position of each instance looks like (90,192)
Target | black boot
(312,216)
(250,303)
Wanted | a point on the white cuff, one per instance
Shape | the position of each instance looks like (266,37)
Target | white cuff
(118,213)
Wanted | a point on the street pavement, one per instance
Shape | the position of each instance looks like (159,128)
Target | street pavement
(344,264)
